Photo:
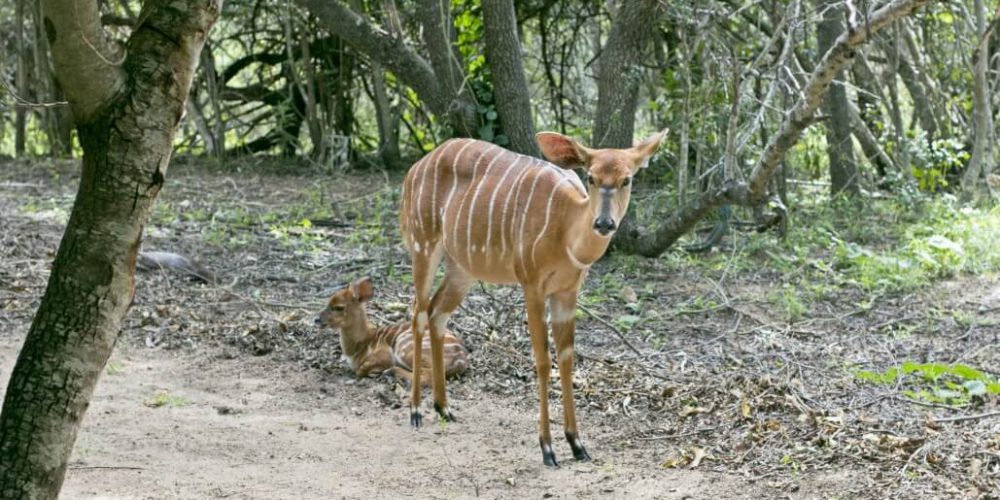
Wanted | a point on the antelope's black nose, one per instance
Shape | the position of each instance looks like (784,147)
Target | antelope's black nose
(318,321)
(604,225)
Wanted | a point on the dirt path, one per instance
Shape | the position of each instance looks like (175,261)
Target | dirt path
(284,433)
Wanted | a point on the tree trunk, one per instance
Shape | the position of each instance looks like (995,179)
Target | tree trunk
(20,112)
(619,73)
(844,175)
(869,144)
(439,37)
(503,53)
(126,131)
(981,163)
(923,108)
(387,119)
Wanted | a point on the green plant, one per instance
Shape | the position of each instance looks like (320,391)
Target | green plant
(940,383)
(164,399)
(791,303)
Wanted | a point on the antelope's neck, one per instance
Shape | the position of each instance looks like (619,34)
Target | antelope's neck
(583,244)
(356,338)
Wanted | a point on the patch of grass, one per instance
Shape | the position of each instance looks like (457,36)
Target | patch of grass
(941,383)
(164,399)
(114,368)
(876,246)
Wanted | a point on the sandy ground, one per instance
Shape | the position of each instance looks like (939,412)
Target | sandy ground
(251,428)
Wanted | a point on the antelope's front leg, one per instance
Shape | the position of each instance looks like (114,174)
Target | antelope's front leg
(418,326)
(535,304)
(562,308)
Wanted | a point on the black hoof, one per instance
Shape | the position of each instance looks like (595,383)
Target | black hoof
(579,452)
(415,419)
(548,456)
(445,413)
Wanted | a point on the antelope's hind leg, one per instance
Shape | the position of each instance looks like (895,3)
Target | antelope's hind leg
(424,265)
(448,297)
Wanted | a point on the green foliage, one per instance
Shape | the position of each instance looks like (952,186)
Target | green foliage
(790,301)
(934,162)
(945,241)
(941,383)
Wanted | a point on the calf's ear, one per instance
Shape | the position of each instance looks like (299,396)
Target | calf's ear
(362,289)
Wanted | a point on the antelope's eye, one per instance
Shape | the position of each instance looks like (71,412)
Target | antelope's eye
(591,180)
(626,182)
(337,308)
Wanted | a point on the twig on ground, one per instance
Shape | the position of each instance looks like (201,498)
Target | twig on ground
(966,418)
(612,327)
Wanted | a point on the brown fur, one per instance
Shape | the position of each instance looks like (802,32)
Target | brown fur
(371,350)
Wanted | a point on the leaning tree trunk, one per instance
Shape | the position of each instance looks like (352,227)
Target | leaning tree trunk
(619,73)
(503,53)
(127,110)
(754,192)
(844,175)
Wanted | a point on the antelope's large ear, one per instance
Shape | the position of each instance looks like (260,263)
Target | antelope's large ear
(362,289)
(562,150)
(647,148)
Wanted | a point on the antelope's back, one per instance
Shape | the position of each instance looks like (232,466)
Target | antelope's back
(488,206)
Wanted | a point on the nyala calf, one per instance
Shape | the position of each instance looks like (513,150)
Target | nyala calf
(371,350)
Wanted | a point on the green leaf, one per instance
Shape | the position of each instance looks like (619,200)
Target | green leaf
(975,387)
(491,115)
(486,133)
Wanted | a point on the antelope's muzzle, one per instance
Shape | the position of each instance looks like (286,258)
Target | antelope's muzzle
(604,224)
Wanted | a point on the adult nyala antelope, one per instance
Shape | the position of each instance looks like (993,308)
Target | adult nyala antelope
(373,350)
(503,217)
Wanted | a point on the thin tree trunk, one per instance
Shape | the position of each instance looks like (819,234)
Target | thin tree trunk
(981,164)
(619,73)
(439,37)
(386,119)
(126,132)
(844,175)
(923,108)
(20,112)
(869,144)
(503,53)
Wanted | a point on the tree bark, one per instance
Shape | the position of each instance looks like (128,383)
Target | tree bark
(619,73)
(974,185)
(844,175)
(503,53)
(754,192)
(126,127)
